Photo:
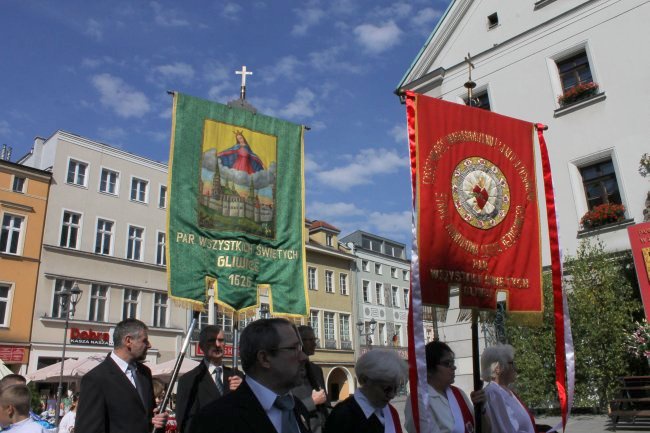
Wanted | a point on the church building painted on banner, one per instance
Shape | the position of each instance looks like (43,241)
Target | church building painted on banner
(567,64)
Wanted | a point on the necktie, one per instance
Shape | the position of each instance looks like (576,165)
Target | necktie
(285,403)
(374,425)
(218,381)
(136,379)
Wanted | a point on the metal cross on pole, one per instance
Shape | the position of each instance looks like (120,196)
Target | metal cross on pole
(243,73)
(469,85)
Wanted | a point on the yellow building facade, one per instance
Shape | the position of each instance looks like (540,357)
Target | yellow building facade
(23,201)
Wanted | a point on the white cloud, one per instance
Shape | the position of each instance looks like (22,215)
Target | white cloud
(391,224)
(326,211)
(399,134)
(366,164)
(426,18)
(216,72)
(120,97)
(92,63)
(4,127)
(302,105)
(328,60)
(166,113)
(310,164)
(167,17)
(112,135)
(231,11)
(176,71)
(395,10)
(287,67)
(376,39)
(307,17)
(219,92)
(94,29)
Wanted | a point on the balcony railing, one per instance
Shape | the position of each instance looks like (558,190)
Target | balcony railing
(346,345)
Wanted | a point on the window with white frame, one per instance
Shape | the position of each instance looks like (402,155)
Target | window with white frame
(600,184)
(59,286)
(77,172)
(406,298)
(97,308)
(393,272)
(366,291)
(574,71)
(104,237)
(395,296)
(311,278)
(18,184)
(139,190)
(480,99)
(11,234)
(328,325)
(161,258)
(378,268)
(130,305)
(397,339)
(135,243)
(371,244)
(381,332)
(343,283)
(162,197)
(108,181)
(224,320)
(405,275)
(365,266)
(314,322)
(70,229)
(160,310)
(379,293)
(5,304)
(344,327)
(329,281)
(328,239)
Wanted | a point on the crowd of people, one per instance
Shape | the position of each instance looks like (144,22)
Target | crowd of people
(280,390)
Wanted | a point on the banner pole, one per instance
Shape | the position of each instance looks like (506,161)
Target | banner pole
(177,366)
(478,384)
(235,341)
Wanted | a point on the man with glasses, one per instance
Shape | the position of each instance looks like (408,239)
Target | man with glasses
(312,390)
(274,362)
(206,382)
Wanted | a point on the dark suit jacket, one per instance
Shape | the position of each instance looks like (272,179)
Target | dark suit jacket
(347,417)
(313,380)
(109,403)
(196,389)
(241,412)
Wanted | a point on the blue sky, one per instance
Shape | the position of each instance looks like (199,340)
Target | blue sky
(102,69)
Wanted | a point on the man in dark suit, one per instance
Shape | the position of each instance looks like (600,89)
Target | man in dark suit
(208,381)
(273,360)
(117,395)
(311,391)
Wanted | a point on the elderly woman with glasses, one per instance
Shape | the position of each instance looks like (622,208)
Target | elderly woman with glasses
(507,413)
(380,374)
(449,408)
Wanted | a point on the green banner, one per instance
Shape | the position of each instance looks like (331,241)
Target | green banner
(236,208)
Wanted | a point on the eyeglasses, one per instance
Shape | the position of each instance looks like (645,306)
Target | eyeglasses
(297,348)
(315,340)
(451,363)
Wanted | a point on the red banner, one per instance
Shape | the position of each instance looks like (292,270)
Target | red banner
(478,222)
(640,243)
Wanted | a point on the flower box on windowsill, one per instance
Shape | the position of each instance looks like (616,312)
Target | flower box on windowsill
(605,228)
(577,105)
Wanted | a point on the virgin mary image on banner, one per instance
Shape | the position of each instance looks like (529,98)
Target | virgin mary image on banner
(238,180)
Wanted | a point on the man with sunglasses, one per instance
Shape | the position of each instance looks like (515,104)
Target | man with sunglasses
(311,391)
(272,358)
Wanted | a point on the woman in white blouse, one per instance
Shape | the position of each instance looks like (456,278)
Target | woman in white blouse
(507,413)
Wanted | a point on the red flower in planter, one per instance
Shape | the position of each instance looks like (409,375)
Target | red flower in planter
(603,214)
(578,92)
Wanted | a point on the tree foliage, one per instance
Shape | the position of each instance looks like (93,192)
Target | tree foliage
(603,307)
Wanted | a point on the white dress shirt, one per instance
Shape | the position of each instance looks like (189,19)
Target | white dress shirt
(507,415)
(124,366)
(27,425)
(383,413)
(211,368)
(444,411)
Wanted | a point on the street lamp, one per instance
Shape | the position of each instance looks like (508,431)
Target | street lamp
(371,330)
(68,299)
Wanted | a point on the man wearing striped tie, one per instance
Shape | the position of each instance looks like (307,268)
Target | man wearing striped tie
(208,381)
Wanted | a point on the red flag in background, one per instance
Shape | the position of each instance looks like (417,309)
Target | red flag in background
(478,225)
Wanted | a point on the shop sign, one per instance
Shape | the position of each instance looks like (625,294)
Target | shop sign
(90,337)
(13,354)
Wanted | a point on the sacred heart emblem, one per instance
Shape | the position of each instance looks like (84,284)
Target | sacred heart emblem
(480,192)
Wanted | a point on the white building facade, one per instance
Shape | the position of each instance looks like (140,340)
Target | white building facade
(105,232)
(574,65)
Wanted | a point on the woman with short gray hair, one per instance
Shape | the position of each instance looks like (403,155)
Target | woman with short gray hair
(507,413)
(380,374)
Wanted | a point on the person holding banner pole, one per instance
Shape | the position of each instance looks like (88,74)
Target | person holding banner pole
(450,408)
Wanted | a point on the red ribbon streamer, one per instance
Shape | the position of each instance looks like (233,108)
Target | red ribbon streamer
(556,268)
